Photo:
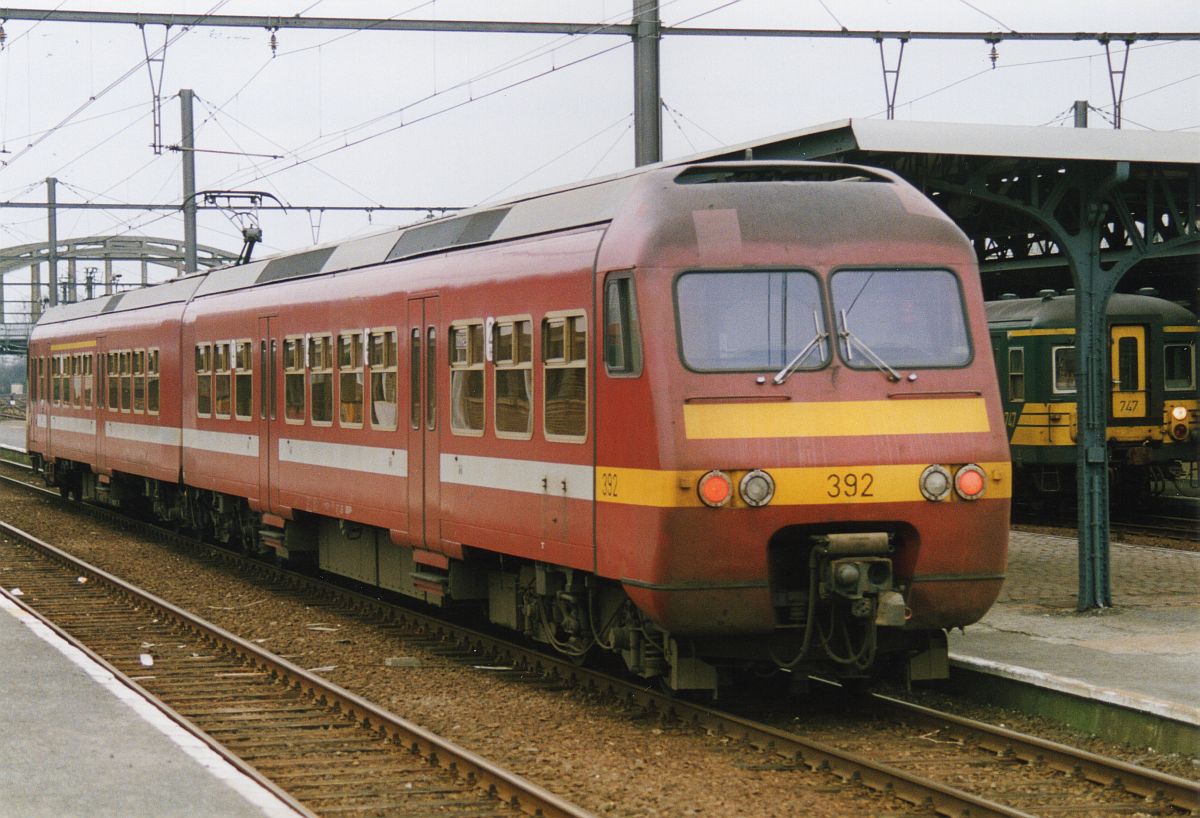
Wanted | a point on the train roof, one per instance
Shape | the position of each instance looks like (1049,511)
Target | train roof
(1059,311)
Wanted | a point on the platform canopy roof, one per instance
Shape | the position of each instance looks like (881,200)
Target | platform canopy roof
(1011,188)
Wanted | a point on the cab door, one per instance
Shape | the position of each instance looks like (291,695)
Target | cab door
(1127,349)
(424,448)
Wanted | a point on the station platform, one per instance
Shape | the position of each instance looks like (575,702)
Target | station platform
(1141,657)
(74,741)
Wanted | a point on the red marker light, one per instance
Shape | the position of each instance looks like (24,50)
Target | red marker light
(969,482)
(715,489)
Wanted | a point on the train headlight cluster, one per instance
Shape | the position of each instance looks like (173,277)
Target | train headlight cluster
(756,488)
(1179,427)
(968,482)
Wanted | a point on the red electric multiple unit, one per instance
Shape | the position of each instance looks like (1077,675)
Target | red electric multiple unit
(711,417)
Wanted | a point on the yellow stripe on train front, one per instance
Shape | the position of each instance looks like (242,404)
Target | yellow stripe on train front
(831,485)
(730,421)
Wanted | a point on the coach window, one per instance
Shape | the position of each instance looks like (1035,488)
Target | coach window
(204,380)
(152,381)
(76,380)
(466,378)
(564,355)
(414,380)
(126,359)
(293,380)
(512,342)
(1064,369)
(382,358)
(350,379)
(55,379)
(431,379)
(89,382)
(622,333)
(139,381)
(243,380)
(222,405)
(1016,374)
(320,365)
(114,384)
(1179,366)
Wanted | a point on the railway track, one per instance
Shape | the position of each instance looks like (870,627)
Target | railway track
(321,748)
(936,762)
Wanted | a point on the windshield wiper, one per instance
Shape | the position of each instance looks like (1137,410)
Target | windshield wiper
(794,364)
(850,338)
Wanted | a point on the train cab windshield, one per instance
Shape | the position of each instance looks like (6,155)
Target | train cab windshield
(751,320)
(888,319)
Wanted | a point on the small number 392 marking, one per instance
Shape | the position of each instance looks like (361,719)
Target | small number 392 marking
(850,484)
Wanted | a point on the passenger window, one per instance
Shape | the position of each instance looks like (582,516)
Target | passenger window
(622,333)
(564,355)
(222,386)
(88,380)
(114,386)
(320,365)
(1016,374)
(204,380)
(56,378)
(383,379)
(139,381)
(350,379)
(512,344)
(1064,369)
(1180,366)
(152,381)
(293,380)
(466,378)
(431,379)
(414,379)
(76,380)
(126,359)
(243,381)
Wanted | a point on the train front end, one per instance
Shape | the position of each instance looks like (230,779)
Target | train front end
(826,487)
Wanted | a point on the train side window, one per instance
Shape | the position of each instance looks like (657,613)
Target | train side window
(222,404)
(1016,374)
(55,379)
(243,380)
(414,379)
(565,395)
(320,365)
(204,380)
(512,344)
(431,379)
(114,384)
(1179,366)
(1064,370)
(76,380)
(88,380)
(126,359)
(382,359)
(466,378)
(139,381)
(622,331)
(350,379)
(293,380)
(152,381)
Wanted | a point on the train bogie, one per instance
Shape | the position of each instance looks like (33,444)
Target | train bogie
(701,417)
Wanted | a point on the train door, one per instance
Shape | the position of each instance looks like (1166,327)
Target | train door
(99,376)
(1128,367)
(268,410)
(424,450)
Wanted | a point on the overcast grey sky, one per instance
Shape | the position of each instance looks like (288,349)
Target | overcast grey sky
(391,118)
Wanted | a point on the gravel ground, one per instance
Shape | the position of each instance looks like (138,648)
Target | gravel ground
(603,759)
